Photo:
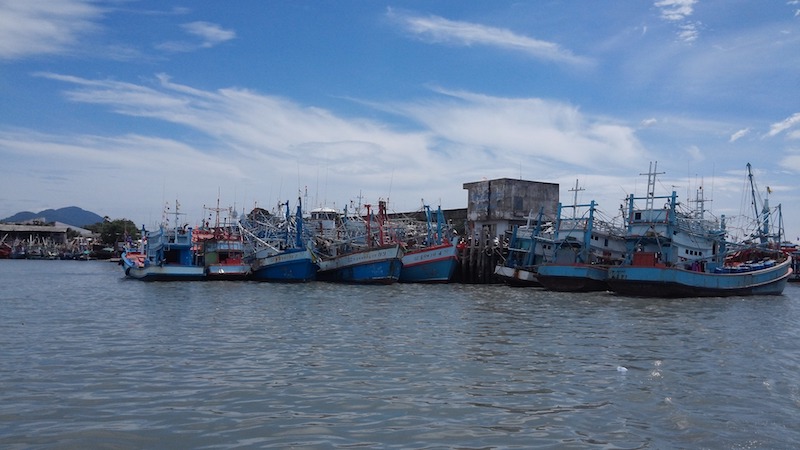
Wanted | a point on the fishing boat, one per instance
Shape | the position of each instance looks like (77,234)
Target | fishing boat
(526,250)
(166,254)
(352,249)
(278,246)
(434,259)
(220,247)
(793,250)
(432,264)
(583,250)
(369,266)
(5,249)
(672,254)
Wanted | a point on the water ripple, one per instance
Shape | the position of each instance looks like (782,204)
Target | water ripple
(93,360)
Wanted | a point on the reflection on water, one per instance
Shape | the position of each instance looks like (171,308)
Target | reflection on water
(93,360)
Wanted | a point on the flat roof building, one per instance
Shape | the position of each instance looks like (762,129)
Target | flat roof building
(504,202)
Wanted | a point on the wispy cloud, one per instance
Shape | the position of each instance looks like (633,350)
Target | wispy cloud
(689,32)
(530,128)
(739,134)
(784,125)
(174,11)
(695,154)
(678,11)
(440,30)
(37,28)
(256,131)
(253,131)
(207,35)
(675,10)
(210,34)
(106,160)
(647,123)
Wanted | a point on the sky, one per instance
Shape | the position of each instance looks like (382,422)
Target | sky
(122,106)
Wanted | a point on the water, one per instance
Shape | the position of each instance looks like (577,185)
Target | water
(91,360)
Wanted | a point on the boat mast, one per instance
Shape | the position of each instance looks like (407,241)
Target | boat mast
(298,225)
(530,257)
(700,201)
(176,214)
(576,189)
(651,184)
(587,235)
(288,224)
(383,219)
(439,225)
(763,216)
(429,224)
(369,221)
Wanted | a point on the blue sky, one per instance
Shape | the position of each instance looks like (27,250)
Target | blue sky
(120,106)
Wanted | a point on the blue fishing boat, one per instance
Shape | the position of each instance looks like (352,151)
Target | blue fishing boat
(352,249)
(432,264)
(526,250)
(167,254)
(765,274)
(369,266)
(583,250)
(678,255)
(278,247)
(435,259)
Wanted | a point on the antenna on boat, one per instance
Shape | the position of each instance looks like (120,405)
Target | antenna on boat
(576,189)
(700,201)
(176,214)
(651,184)
(763,216)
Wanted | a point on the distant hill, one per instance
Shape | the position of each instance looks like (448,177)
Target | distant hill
(71,215)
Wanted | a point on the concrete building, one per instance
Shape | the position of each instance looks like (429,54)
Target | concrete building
(497,205)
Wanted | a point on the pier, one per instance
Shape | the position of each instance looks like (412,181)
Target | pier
(494,208)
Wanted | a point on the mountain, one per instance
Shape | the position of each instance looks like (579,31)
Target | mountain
(71,215)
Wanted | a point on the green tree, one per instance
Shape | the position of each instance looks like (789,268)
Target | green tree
(112,231)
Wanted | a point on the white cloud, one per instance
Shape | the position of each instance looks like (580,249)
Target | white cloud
(36,27)
(440,30)
(739,134)
(784,125)
(791,162)
(209,34)
(678,11)
(97,171)
(647,123)
(269,136)
(695,154)
(274,146)
(689,32)
(527,128)
(675,10)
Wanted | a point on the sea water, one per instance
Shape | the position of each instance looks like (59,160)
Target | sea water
(89,359)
